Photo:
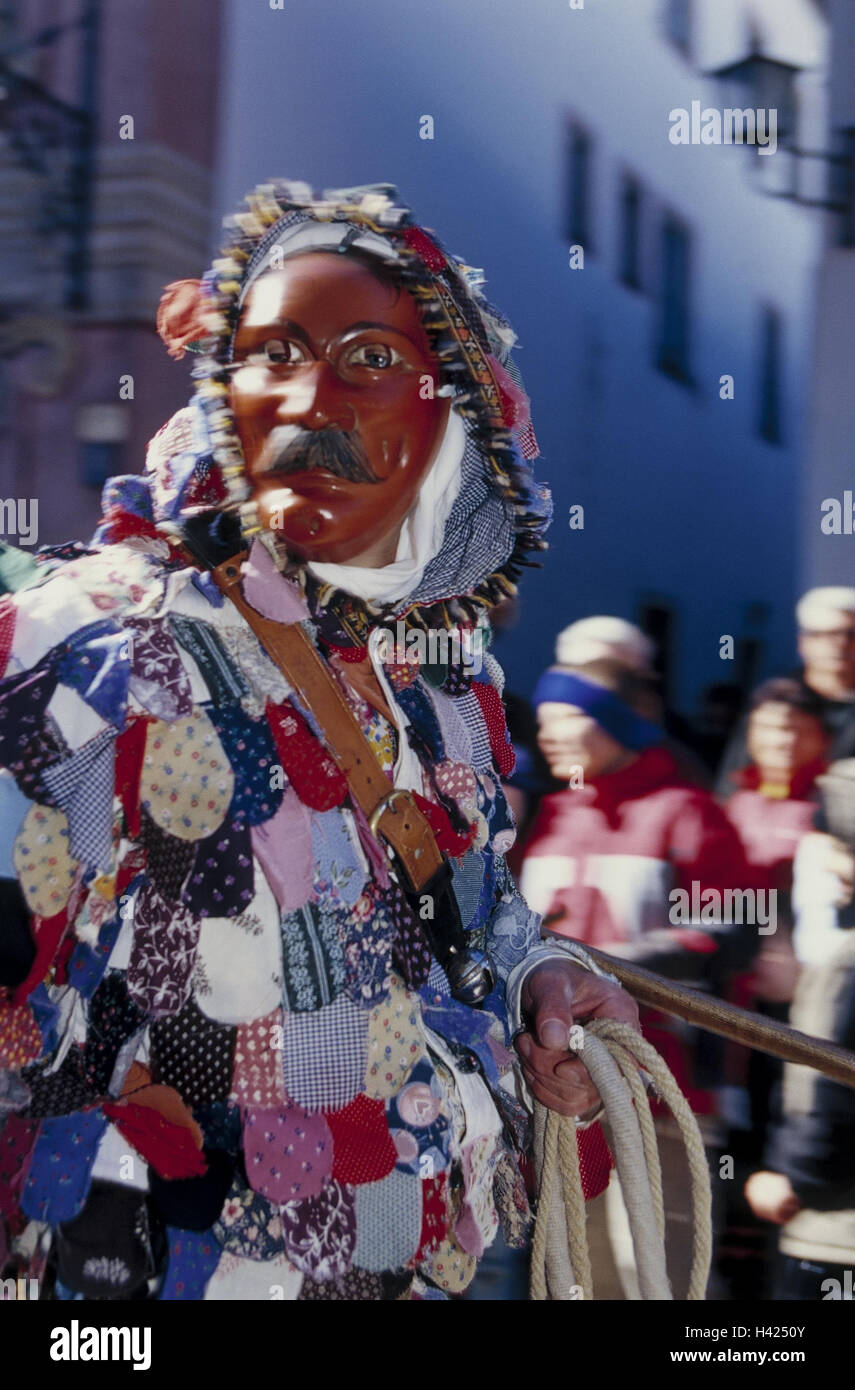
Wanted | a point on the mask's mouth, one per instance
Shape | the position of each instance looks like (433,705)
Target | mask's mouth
(291,450)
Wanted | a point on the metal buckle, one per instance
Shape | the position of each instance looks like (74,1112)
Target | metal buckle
(388,800)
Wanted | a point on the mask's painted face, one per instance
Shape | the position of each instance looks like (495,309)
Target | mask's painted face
(334,400)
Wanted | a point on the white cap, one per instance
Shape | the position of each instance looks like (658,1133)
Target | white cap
(815,610)
(591,639)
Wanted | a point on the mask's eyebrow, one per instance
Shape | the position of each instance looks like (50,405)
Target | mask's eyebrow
(294,330)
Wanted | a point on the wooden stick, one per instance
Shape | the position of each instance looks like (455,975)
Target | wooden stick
(729,1021)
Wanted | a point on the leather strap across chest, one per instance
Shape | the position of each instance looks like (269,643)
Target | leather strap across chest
(392,812)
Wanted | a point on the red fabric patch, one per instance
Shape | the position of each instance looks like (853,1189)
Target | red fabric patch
(401,674)
(20,1036)
(420,242)
(312,772)
(63,956)
(17,1141)
(434,1215)
(494,717)
(446,836)
(7,630)
(362,1145)
(349,653)
(47,933)
(130,751)
(119,525)
(692,940)
(169,1148)
(595,1161)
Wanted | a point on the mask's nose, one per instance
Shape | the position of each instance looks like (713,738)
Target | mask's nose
(315,398)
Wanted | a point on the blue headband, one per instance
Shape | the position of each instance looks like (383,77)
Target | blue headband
(617,719)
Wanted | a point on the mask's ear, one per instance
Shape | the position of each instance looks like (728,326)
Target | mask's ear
(180,316)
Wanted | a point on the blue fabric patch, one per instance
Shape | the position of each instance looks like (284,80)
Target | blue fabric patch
(13,808)
(313,971)
(221,882)
(512,931)
(129,493)
(416,705)
(27,743)
(468,880)
(207,586)
(423,1140)
(369,933)
(46,1015)
(61,1166)
(96,662)
(248,745)
(193,1257)
(339,873)
(461,1025)
(224,681)
(88,963)
(222,1125)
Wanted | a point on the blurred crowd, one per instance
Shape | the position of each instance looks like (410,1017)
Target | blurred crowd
(718,853)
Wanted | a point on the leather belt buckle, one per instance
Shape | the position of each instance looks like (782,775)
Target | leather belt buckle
(385,804)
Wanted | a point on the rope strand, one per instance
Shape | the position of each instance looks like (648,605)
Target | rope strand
(612,1053)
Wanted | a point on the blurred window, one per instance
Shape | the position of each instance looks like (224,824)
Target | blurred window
(98,462)
(657,619)
(578,226)
(630,230)
(673,347)
(769,416)
(678,23)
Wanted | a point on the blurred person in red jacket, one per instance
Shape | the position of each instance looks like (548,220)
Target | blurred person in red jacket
(632,857)
(773,809)
(622,856)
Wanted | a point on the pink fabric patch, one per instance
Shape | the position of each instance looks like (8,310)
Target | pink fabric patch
(257,1079)
(288,1154)
(7,629)
(283,848)
(268,591)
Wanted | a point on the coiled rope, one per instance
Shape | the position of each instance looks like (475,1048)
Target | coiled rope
(561,1264)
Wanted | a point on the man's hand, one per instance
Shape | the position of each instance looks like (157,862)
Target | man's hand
(556,995)
(771,1197)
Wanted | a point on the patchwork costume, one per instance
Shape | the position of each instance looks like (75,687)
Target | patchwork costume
(233,1066)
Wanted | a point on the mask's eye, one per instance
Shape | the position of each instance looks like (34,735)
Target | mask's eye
(278,352)
(377,357)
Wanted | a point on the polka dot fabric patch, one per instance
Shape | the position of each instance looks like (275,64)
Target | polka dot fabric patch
(395,1042)
(186,784)
(61,1166)
(221,882)
(20,1036)
(42,859)
(251,752)
(193,1257)
(288,1153)
(388,1222)
(194,1055)
(356,1287)
(362,1145)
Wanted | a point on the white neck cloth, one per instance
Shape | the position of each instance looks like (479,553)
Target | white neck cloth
(421,533)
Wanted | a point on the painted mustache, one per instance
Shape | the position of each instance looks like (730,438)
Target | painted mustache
(334,451)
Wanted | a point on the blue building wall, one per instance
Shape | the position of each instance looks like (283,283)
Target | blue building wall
(685,505)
